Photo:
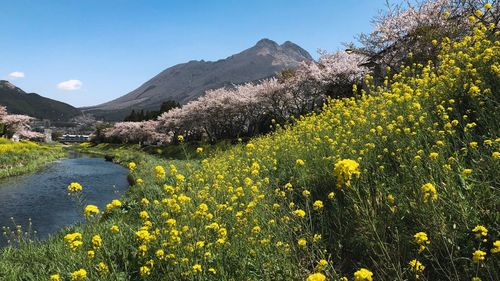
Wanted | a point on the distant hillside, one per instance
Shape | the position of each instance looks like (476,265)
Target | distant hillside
(19,102)
(185,82)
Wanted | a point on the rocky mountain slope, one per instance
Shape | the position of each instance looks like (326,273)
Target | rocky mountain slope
(187,81)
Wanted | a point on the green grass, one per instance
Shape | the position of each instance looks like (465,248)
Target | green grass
(23,157)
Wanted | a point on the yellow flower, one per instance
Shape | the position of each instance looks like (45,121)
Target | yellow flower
(115,228)
(317,205)
(422,240)
(80,274)
(199,150)
(212,270)
(433,155)
(344,170)
(487,6)
(495,155)
(316,237)
(478,256)
(299,213)
(55,277)
(467,172)
(160,254)
(302,242)
(331,195)
(74,187)
(160,172)
(116,203)
(96,242)
(496,247)
(429,192)
(197,268)
(90,254)
(131,166)
(300,162)
(316,277)
(73,240)
(145,271)
(473,144)
(103,268)
(90,210)
(480,231)
(321,265)
(144,215)
(363,275)
(180,138)
(255,229)
(139,181)
(416,267)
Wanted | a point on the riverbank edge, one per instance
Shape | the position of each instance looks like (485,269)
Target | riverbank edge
(57,152)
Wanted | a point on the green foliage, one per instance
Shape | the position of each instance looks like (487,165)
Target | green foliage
(137,116)
(24,156)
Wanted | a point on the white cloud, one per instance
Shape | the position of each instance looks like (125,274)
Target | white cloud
(70,85)
(16,74)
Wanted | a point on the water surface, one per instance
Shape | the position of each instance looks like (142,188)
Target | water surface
(43,197)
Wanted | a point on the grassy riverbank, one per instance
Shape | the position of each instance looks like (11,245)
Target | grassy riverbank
(400,183)
(23,157)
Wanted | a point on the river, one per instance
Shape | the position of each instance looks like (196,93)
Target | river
(43,196)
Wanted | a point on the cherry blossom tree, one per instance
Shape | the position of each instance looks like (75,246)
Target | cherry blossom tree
(18,124)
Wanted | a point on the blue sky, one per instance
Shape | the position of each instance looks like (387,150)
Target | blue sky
(112,47)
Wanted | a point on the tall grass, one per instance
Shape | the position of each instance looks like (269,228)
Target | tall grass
(25,156)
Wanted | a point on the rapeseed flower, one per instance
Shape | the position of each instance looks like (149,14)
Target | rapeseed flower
(363,274)
(80,274)
(344,170)
(478,256)
(96,242)
(416,267)
(422,240)
(299,213)
(131,166)
(429,192)
(90,211)
(74,187)
(480,231)
(316,277)
(302,242)
(496,247)
(317,205)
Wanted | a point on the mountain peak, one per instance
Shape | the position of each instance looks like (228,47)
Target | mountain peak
(188,81)
(6,85)
(266,43)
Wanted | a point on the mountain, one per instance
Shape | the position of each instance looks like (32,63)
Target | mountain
(187,81)
(18,101)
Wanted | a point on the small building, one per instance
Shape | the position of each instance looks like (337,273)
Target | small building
(74,138)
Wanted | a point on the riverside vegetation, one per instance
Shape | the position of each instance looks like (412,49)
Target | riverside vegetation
(398,183)
(25,156)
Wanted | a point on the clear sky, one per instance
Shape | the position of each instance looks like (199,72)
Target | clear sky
(85,52)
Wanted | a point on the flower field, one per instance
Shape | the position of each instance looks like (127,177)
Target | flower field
(400,182)
(25,156)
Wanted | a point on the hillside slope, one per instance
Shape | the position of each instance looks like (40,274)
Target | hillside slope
(187,81)
(19,102)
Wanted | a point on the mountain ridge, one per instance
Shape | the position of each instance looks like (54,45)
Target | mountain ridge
(187,81)
(18,101)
